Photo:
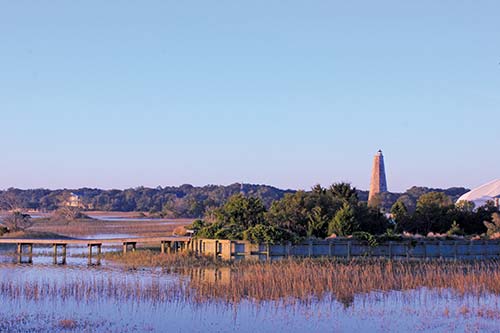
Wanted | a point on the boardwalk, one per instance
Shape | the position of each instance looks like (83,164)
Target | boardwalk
(25,246)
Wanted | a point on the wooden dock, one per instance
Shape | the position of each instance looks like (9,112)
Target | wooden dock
(25,246)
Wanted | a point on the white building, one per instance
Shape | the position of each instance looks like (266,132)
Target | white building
(481,195)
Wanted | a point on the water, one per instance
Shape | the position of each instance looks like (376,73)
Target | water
(45,297)
(107,236)
(109,218)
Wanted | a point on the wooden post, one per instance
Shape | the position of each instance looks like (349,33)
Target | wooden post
(390,249)
(54,247)
(64,254)
(455,250)
(124,248)
(162,248)
(19,253)
(134,247)
(310,249)
(268,252)
(90,253)
(247,250)
(30,253)
(348,250)
(216,250)
(99,254)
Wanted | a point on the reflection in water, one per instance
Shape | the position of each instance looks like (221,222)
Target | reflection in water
(49,297)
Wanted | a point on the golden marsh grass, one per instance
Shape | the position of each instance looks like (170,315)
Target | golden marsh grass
(200,279)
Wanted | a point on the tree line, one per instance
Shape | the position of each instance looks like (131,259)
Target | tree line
(183,201)
(338,211)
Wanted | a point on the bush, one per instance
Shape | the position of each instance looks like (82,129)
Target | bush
(180,231)
(494,225)
(68,214)
(267,234)
(455,230)
(196,226)
(367,237)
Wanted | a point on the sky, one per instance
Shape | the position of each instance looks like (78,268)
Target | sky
(119,94)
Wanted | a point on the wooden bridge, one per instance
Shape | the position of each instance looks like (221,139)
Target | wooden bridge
(25,246)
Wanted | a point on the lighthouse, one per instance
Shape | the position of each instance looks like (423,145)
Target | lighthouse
(378,181)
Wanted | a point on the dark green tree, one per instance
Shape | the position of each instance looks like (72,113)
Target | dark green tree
(344,223)
(344,192)
(432,214)
(400,215)
(237,215)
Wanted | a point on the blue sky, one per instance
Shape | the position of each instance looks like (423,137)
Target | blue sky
(117,94)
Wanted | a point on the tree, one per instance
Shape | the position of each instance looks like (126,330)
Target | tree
(400,215)
(231,220)
(10,200)
(317,224)
(68,214)
(370,219)
(399,211)
(455,230)
(291,213)
(493,226)
(409,202)
(434,199)
(18,221)
(242,211)
(344,192)
(433,214)
(465,206)
(266,234)
(344,222)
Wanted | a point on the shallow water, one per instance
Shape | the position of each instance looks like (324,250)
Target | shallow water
(110,218)
(76,297)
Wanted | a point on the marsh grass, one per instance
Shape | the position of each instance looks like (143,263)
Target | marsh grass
(86,227)
(307,279)
(201,280)
(153,258)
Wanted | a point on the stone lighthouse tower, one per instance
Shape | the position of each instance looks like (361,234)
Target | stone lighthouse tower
(378,183)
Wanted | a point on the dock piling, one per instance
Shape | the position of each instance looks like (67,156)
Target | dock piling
(169,244)
(126,245)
